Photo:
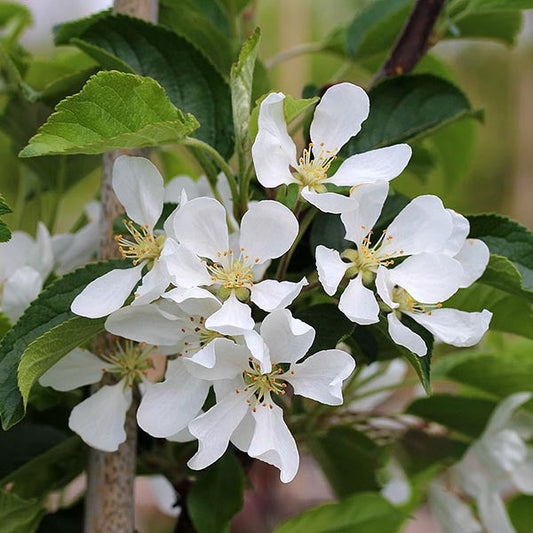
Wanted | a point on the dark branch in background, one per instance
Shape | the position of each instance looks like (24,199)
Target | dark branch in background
(414,40)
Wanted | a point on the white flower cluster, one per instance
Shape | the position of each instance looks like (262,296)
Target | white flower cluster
(196,284)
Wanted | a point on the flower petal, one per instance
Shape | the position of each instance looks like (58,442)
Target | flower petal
(273,443)
(213,429)
(270,294)
(422,226)
(106,293)
(233,318)
(78,368)
(19,290)
(273,151)
(195,301)
(403,336)
(154,283)
(320,376)
(493,513)
(358,303)
(454,327)
(385,286)
(168,407)
(328,202)
(474,257)
(331,268)
(501,416)
(201,226)
(183,266)
(165,495)
(175,187)
(144,323)
(338,117)
(288,339)
(259,350)
(368,200)
(428,278)
(139,188)
(383,164)
(99,420)
(460,231)
(268,230)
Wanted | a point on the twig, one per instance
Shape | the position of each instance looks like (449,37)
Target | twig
(414,40)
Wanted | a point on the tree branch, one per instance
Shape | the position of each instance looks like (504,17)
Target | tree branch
(414,39)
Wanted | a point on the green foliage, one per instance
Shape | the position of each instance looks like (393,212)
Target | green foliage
(445,409)
(5,234)
(520,511)
(487,6)
(217,495)
(190,80)
(18,515)
(50,309)
(350,460)
(113,110)
(45,351)
(242,76)
(404,108)
(364,512)
(14,19)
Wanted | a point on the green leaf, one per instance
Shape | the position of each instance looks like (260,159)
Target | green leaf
(242,76)
(520,511)
(14,19)
(511,314)
(5,234)
(190,80)
(364,512)
(350,460)
(45,351)
(498,26)
(113,110)
(18,515)
(503,373)
(330,324)
(188,19)
(483,6)
(49,471)
(373,342)
(507,238)
(443,409)
(408,107)
(50,309)
(217,495)
(503,274)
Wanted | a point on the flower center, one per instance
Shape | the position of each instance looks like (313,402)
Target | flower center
(144,247)
(408,303)
(131,361)
(312,171)
(197,336)
(260,385)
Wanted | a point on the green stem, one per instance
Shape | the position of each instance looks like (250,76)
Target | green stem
(305,48)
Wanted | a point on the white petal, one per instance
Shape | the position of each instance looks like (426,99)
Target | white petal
(259,350)
(19,290)
(403,336)
(182,436)
(168,407)
(106,293)
(18,251)
(44,257)
(273,443)
(422,226)
(501,416)
(201,226)
(78,368)
(273,150)
(183,266)
(206,356)
(165,495)
(287,338)
(474,257)
(154,283)
(143,323)
(385,286)
(428,278)
(368,199)
(243,434)
(493,513)
(460,231)
(359,303)
(268,230)
(175,187)
(383,164)
(320,376)
(523,477)
(195,301)
(139,188)
(76,249)
(233,318)
(270,295)
(213,429)
(99,420)
(454,327)
(328,202)
(331,268)
(338,117)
